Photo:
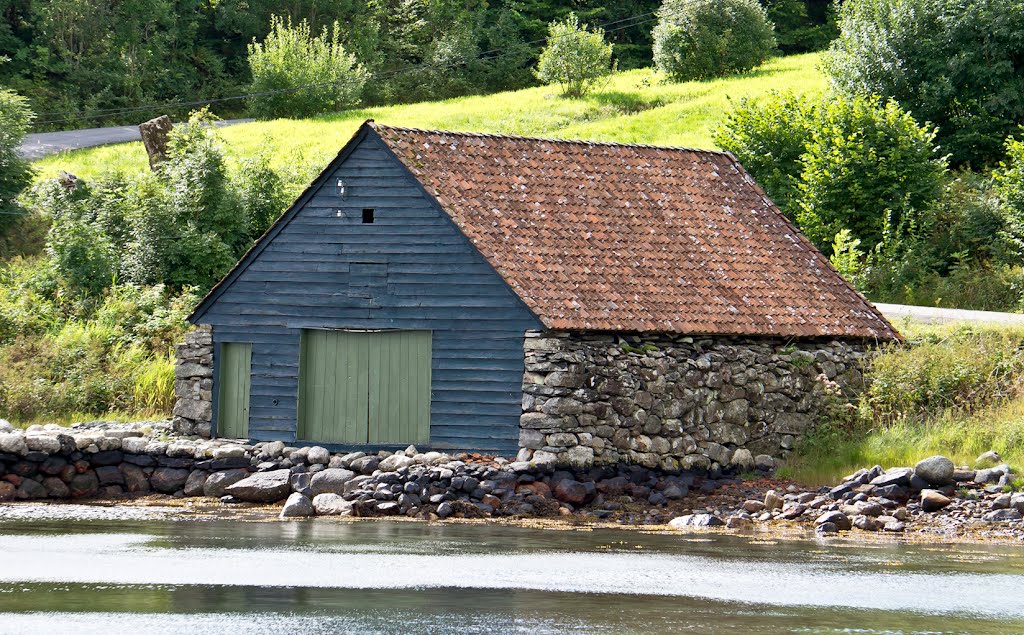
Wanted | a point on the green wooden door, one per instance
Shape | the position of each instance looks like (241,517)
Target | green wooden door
(333,397)
(233,397)
(400,387)
(357,387)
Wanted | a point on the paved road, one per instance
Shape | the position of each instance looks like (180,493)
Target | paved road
(41,144)
(930,315)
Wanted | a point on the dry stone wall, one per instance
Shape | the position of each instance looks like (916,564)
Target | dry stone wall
(193,383)
(678,403)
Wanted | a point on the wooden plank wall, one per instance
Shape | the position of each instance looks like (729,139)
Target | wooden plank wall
(410,269)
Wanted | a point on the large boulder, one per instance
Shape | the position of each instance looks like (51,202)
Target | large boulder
(217,483)
(168,480)
(13,443)
(262,487)
(697,520)
(196,481)
(932,501)
(318,455)
(331,505)
(331,481)
(570,491)
(297,506)
(838,519)
(935,470)
(394,462)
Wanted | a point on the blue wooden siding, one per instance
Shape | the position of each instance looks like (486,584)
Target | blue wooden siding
(410,269)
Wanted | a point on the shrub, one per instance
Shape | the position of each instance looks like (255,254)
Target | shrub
(301,75)
(954,63)
(575,58)
(963,370)
(840,163)
(802,26)
(769,137)
(869,167)
(700,39)
(183,226)
(15,172)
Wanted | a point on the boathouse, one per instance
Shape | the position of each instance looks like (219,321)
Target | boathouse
(568,301)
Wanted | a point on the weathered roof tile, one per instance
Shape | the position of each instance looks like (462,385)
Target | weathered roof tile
(601,236)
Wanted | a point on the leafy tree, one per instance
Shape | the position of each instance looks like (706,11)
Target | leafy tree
(769,137)
(802,25)
(297,74)
(184,225)
(838,163)
(868,166)
(576,58)
(701,39)
(955,63)
(15,172)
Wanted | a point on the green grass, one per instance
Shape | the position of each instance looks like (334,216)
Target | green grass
(962,437)
(954,390)
(635,107)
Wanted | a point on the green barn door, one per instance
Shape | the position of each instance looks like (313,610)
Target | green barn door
(333,398)
(357,387)
(233,396)
(400,387)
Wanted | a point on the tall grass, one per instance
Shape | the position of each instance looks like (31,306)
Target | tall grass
(636,107)
(952,390)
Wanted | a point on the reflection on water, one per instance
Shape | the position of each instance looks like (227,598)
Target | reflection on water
(165,576)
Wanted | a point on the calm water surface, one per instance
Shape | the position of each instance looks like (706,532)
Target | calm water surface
(84,570)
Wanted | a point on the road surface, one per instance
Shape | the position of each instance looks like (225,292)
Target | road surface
(41,144)
(931,315)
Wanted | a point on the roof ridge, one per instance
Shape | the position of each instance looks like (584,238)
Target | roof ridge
(497,135)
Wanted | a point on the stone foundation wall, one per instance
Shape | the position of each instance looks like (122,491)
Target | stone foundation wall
(193,383)
(690,403)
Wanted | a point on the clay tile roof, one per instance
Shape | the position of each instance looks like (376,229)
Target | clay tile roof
(618,237)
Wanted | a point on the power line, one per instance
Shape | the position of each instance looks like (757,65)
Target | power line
(485,56)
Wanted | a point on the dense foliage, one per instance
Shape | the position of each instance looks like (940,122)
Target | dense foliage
(575,58)
(183,225)
(958,64)
(699,39)
(15,172)
(298,74)
(839,164)
(83,62)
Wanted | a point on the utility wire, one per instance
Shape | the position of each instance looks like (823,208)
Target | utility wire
(623,24)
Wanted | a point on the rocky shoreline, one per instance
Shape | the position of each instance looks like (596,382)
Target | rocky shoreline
(121,463)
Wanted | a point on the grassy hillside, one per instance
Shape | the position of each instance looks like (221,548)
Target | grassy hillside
(635,106)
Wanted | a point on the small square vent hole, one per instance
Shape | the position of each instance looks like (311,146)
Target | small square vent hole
(368,215)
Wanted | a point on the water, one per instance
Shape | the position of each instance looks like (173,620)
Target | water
(99,571)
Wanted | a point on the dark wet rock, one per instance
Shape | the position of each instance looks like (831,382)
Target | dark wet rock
(135,480)
(388,508)
(866,523)
(30,489)
(108,458)
(7,491)
(837,492)
(826,528)
(142,460)
(935,470)
(573,492)
(839,519)
(168,480)
(229,463)
(963,476)
(109,475)
(892,492)
(895,476)
(175,462)
(262,487)
(195,482)
(84,485)
(444,510)
(53,465)
(56,488)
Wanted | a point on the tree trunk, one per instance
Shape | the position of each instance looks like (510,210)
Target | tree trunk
(154,138)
